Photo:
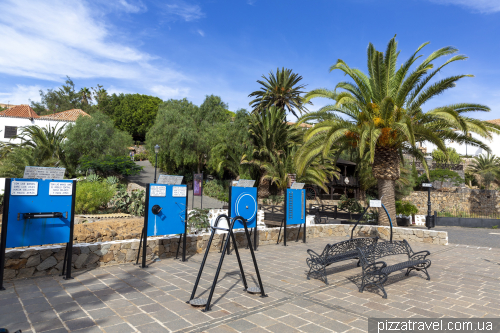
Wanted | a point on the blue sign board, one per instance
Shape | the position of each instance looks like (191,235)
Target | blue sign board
(244,204)
(171,203)
(295,206)
(39,212)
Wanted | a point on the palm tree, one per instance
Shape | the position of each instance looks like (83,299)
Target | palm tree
(280,90)
(487,166)
(271,136)
(85,95)
(380,115)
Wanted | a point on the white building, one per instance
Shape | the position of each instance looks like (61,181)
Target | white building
(11,120)
(469,150)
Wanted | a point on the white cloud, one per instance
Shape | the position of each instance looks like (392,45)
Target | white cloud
(184,10)
(482,6)
(251,2)
(201,32)
(165,92)
(21,94)
(131,6)
(53,38)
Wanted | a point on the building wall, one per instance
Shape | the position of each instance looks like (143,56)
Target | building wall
(20,122)
(463,149)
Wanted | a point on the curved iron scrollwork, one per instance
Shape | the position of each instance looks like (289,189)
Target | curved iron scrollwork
(332,253)
(375,272)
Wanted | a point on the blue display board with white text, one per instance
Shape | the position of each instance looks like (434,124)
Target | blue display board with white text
(295,206)
(171,200)
(39,212)
(244,204)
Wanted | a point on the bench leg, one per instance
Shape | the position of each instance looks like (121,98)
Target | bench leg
(359,262)
(317,270)
(418,269)
(379,284)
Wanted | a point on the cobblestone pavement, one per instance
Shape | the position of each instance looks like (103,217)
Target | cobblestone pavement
(474,237)
(125,298)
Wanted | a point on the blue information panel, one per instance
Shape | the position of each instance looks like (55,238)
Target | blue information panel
(244,204)
(171,199)
(295,206)
(31,203)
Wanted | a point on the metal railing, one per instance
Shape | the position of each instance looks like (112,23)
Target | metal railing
(468,214)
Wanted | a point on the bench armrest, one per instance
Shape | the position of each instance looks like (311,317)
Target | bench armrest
(420,255)
(314,255)
(374,267)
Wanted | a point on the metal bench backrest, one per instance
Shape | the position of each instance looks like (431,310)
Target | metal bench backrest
(349,245)
(370,254)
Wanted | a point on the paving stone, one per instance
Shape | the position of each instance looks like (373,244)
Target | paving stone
(77,324)
(109,321)
(281,328)
(120,328)
(43,326)
(139,319)
(177,324)
(241,325)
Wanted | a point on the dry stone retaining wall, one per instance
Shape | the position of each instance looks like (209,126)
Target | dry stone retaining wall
(23,263)
(466,200)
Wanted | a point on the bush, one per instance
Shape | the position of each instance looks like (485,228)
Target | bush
(133,204)
(90,196)
(440,157)
(406,208)
(110,166)
(198,219)
(216,189)
(276,199)
(442,176)
(141,157)
(350,204)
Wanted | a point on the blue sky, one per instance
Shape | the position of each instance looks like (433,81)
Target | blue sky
(184,48)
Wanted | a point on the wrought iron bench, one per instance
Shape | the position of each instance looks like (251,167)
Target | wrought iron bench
(345,250)
(375,272)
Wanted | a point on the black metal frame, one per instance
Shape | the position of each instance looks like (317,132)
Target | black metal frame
(226,243)
(5,219)
(375,273)
(143,242)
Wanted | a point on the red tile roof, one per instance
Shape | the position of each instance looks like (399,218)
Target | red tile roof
(301,125)
(494,121)
(20,111)
(69,115)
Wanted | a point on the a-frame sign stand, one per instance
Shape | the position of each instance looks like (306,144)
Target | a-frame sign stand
(252,290)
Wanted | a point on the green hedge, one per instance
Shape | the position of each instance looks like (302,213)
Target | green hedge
(91,196)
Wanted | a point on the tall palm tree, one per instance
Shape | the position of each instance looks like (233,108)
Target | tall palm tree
(85,96)
(380,114)
(281,90)
(271,136)
(487,166)
(45,141)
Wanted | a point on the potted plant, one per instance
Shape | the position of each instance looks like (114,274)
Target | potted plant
(404,209)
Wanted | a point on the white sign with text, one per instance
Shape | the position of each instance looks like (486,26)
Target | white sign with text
(60,188)
(31,172)
(24,188)
(179,191)
(170,180)
(376,203)
(158,191)
(245,183)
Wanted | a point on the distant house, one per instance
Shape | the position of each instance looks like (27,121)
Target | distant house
(12,119)
(469,150)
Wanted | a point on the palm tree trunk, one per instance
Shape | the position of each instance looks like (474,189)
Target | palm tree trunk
(387,193)
(264,189)
(386,170)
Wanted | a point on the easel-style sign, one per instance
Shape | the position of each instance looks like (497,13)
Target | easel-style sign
(166,213)
(38,212)
(172,201)
(170,180)
(244,203)
(31,172)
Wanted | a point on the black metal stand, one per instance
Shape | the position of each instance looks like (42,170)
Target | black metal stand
(144,236)
(255,231)
(252,290)
(69,246)
(140,246)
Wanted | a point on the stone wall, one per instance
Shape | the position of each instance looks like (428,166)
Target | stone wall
(466,200)
(38,261)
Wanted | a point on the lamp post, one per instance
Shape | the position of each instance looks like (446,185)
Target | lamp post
(157,149)
(429,219)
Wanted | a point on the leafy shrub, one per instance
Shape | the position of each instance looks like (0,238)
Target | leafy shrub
(350,204)
(133,204)
(112,180)
(93,178)
(406,208)
(216,189)
(440,157)
(442,176)
(276,199)
(198,219)
(90,196)
(110,166)
(141,156)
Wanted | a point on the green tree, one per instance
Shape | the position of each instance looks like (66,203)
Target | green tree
(186,133)
(95,137)
(136,113)
(62,99)
(380,114)
(85,96)
(281,90)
